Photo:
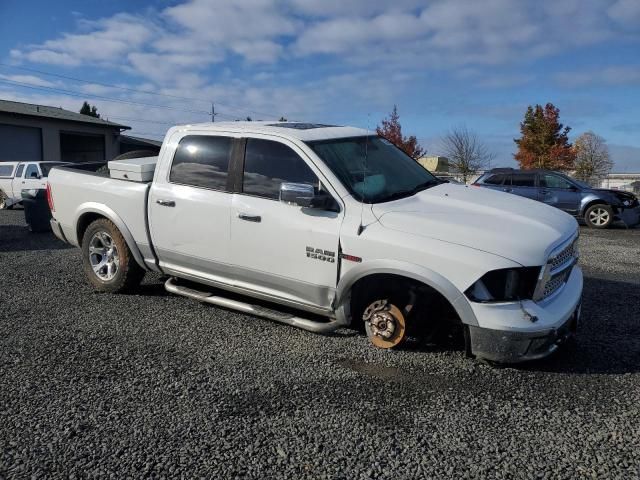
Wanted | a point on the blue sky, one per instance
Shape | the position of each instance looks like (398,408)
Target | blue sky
(444,63)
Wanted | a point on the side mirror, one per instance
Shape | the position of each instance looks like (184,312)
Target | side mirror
(300,194)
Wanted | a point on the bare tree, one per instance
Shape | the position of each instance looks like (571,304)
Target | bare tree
(592,161)
(465,151)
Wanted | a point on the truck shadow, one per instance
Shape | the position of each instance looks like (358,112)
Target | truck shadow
(607,341)
(17,238)
(608,338)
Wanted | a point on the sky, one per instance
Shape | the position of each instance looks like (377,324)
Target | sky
(444,63)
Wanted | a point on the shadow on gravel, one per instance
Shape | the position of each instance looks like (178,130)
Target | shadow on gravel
(17,238)
(608,340)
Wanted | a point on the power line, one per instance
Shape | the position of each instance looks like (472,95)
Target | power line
(108,85)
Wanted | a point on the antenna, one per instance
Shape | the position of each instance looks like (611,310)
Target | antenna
(364,173)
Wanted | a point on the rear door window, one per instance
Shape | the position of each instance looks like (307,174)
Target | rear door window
(202,161)
(20,170)
(524,180)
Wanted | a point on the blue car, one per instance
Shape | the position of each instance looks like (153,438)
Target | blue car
(597,207)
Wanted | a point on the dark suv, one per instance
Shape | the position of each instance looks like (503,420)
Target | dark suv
(599,208)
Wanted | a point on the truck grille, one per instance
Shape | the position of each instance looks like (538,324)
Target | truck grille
(555,283)
(557,270)
(569,253)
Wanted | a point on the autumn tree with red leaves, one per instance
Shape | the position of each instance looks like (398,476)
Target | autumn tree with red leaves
(544,142)
(392,131)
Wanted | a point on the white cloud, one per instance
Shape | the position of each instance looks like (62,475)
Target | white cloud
(30,79)
(52,58)
(108,40)
(626,12)
(614,75)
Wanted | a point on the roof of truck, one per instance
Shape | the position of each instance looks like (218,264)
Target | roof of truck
(304,131)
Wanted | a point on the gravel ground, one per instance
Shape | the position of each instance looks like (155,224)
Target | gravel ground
(97,385)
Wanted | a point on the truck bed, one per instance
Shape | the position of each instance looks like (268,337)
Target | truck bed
(77,193)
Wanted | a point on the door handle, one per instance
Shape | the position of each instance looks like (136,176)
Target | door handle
(250,218)
(166,203)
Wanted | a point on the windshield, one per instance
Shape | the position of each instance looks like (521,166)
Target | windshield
(373,169)
(46,167)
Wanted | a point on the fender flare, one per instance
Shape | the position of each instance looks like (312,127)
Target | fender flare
(109,214)
(409,270)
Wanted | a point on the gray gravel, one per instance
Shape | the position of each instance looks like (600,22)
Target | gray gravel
(96,385)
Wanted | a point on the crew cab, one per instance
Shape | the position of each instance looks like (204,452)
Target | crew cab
(18,176)
(321,227)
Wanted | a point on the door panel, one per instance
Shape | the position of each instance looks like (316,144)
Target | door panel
(270,247)
(524,184)
(280,249)
(31,181)
(560,193)
(192,233)
(189,210)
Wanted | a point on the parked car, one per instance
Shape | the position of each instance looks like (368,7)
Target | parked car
(597,207)
(320,227)
(18,176)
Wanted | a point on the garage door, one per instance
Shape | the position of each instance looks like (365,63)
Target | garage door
(80,147)
(20,144)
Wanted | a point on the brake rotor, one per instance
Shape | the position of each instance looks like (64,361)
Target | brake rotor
(385,324)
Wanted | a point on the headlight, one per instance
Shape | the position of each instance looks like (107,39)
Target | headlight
(507,284)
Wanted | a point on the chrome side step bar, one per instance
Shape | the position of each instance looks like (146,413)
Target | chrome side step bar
(257,310)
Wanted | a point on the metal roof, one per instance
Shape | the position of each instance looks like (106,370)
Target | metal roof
(56,113)
(126,138)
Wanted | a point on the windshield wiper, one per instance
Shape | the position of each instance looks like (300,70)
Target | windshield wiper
(408,193)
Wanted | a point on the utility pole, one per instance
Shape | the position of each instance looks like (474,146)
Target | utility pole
(213,112)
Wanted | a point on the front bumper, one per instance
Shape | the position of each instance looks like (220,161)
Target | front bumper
(513,347)
(629,216)
(520,331)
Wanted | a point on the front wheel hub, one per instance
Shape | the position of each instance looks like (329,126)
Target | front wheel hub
(385,324)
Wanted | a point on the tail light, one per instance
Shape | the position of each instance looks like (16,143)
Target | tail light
(50,198)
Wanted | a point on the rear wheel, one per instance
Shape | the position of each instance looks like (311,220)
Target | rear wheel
(598,216)
(4,202)
(107,259)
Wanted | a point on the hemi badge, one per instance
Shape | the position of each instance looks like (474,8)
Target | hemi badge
(351,258)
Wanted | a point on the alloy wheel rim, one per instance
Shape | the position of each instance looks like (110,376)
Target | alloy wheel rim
(103,256)
(599,216)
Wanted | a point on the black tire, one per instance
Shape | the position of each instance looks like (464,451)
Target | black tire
(598,216)
(3,201)
(120,272)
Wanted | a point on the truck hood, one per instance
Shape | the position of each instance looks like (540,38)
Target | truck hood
(513,227)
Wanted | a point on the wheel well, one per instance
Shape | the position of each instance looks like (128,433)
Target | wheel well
(83,223)
(366,288)
(592,203)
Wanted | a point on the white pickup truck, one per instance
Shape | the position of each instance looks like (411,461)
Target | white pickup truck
(319,227)
(18,176)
